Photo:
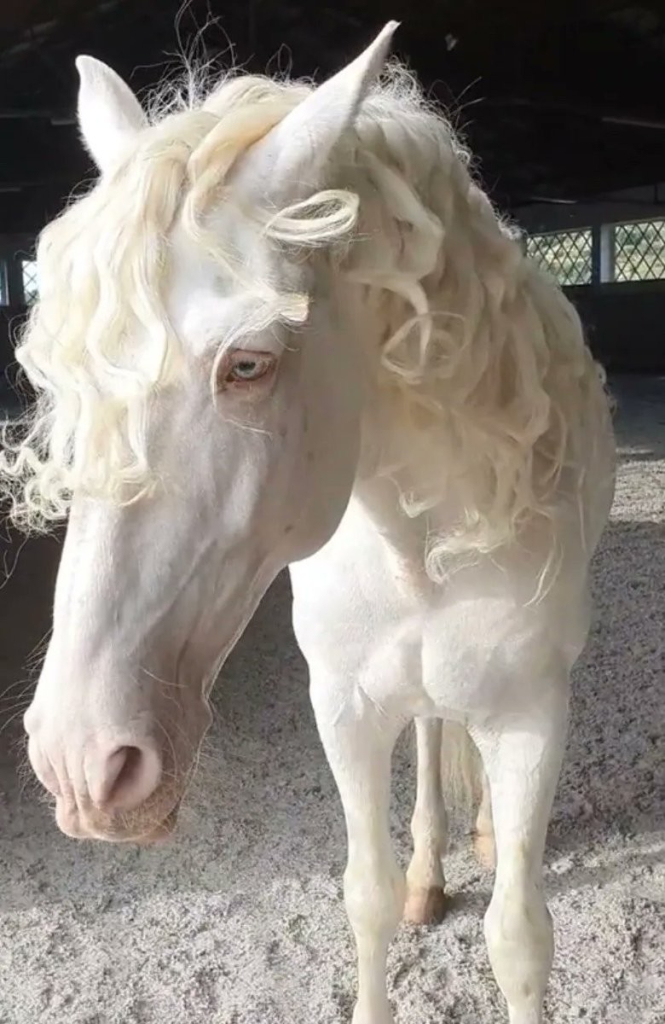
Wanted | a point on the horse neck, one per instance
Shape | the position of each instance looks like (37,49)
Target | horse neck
(399,456)
(393,461)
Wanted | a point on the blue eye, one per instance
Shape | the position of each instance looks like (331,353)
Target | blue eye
(247,367)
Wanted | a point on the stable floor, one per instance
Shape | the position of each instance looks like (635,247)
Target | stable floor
(240,920)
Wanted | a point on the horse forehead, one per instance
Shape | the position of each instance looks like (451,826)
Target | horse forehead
(213,291)
(190,265)
(201,296)
(194,254)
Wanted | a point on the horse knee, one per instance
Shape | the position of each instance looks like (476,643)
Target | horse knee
(374,898)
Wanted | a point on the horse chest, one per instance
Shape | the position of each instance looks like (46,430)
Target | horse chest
(415,648)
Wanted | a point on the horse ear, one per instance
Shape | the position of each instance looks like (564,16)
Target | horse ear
(289,162)
(110,116)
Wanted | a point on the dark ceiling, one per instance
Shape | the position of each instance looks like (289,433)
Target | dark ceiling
(560,99)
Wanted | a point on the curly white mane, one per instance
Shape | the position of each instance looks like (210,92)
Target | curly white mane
(484,356)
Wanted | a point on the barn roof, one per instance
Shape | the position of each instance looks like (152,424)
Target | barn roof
(561,100)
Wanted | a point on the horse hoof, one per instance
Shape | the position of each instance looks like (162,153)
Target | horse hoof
(485,850)
(425,906)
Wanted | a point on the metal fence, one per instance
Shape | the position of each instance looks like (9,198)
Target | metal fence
(608,253)
(639,251)
(29,281)
(566,254)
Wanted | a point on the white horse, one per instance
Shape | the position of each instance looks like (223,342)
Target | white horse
(285,327)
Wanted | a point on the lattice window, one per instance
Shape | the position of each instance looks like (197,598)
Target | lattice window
(639,251)
(565,254)
(30,282)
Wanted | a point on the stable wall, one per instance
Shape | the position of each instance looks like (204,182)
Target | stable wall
(625,324)
(9,320)
(12,249)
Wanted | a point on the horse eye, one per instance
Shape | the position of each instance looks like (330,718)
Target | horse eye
(247,367)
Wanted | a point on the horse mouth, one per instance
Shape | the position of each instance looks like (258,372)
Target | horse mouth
(162,833)
(115,830)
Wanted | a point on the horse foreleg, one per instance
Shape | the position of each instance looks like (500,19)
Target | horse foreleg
(522,758)
(358,741)
(429,828)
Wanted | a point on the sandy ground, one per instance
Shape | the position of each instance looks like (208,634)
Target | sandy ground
(241,920)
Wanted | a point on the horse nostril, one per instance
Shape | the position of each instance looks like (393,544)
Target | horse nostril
(125,777)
